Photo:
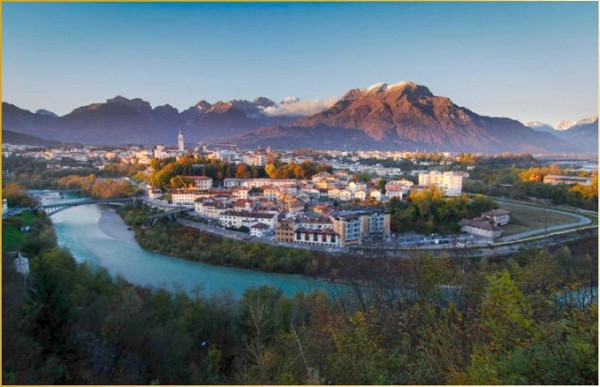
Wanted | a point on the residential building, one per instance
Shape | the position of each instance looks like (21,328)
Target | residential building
(284,231)
(394,191)
(313,222)
(345,195)
(211,208)
(237,219)
(348,226)
(376,224)
(201,182)
(450,182)
(360,194)
(187,196)
(259,229)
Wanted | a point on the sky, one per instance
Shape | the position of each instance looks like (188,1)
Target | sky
(527,61)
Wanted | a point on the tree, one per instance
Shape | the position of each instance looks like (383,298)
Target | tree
(181,182)
(243,172)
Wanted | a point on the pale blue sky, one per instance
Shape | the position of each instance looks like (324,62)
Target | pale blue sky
(528,61)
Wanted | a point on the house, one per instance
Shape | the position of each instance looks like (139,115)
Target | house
(376,194)
(241,193)
(259,229)
(395,191)
(322,177)
(498,217)
(355,186)
(243,205)
(295,206)
(480,227)
(333,193)
(272,192)
(360,194)
(345,195)
(201,182)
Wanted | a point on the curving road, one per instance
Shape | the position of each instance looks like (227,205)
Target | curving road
(581,221)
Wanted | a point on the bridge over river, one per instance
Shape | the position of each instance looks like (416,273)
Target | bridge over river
(56,207)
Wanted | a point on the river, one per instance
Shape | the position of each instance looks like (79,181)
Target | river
(97,235)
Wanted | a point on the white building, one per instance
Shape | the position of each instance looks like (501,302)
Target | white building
(237,219)
(211,208)
(255,159)
(186,197)
(346,195)
(259,229)
(394,191)
(201,182)
(225,155)
(450,182)
(160,152)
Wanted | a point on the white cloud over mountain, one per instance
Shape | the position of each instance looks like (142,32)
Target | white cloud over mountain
(293,106)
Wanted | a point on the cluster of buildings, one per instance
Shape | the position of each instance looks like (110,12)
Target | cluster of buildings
(284,210)
(287,209)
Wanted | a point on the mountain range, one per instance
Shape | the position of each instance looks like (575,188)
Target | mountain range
(583,133)
(403,115)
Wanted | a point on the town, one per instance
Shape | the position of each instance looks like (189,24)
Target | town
(343,203)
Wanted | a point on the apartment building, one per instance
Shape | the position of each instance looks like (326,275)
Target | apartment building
(450,182)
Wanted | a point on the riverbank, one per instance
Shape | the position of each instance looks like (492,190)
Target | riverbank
(113,225)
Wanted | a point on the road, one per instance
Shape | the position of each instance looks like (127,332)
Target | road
(581,221)
(242,236)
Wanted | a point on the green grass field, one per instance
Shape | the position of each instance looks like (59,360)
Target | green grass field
(12,237)
(528,218)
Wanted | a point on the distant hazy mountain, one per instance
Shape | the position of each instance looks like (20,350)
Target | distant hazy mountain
(10,137)
(407,116)
(120,120)
(583,134)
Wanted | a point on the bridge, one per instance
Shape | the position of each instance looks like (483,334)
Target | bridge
(54,208)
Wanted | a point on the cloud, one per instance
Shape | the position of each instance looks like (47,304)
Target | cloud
(292,106)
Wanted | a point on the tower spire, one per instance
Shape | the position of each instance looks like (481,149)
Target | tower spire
(180,141)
